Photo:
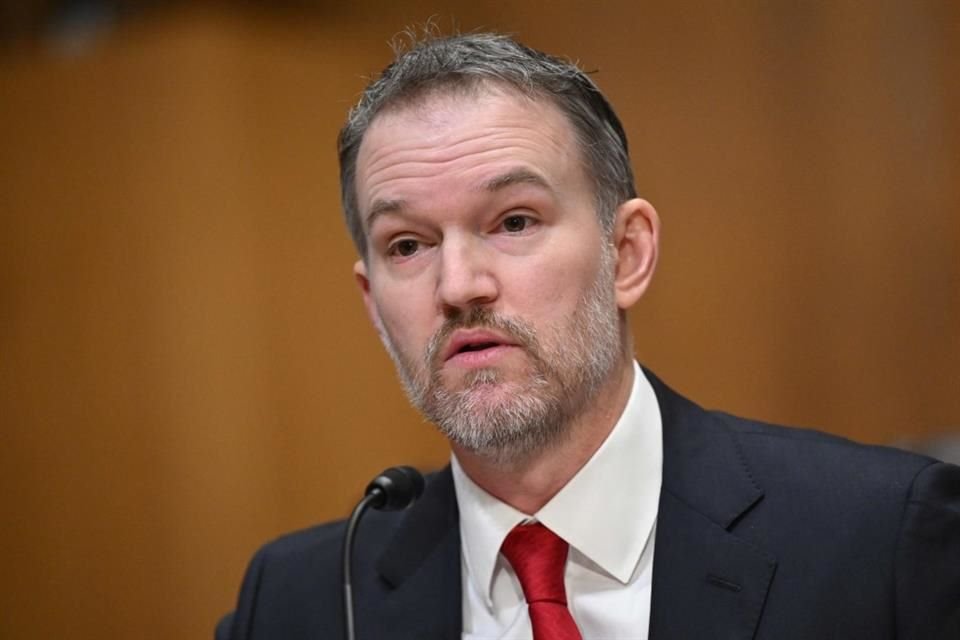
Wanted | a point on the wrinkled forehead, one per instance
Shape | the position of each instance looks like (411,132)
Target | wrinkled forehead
(480,129)
(445,106)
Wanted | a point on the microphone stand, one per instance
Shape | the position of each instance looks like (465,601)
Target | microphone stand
(394,489)
(358,511)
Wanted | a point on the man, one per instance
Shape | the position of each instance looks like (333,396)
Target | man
(488,189)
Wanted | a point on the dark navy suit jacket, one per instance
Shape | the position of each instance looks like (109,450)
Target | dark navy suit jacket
(763,532)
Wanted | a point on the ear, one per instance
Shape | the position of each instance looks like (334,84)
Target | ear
(636,238)
(363,281)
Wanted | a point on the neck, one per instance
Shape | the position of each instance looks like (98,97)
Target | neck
(530,483)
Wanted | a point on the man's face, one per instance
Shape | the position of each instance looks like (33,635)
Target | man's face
(487,275)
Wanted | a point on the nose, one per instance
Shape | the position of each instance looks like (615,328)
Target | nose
(466,277)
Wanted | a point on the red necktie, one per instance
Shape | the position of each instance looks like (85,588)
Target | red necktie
(538,556)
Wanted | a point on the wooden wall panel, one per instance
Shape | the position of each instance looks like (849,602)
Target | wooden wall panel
(185,366)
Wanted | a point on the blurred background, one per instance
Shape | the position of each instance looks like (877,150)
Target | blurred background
(186,370)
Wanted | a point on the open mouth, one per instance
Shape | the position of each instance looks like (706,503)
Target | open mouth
(477,346)
(474,345)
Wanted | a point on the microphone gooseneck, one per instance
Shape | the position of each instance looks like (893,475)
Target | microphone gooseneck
(394,489)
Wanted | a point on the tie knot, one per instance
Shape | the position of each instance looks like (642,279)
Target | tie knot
(538,557)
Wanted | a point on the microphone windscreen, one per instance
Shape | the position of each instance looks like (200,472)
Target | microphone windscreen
(396,488)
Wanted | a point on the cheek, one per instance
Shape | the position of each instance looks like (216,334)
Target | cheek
(405,315)
(546,299)
(555,287)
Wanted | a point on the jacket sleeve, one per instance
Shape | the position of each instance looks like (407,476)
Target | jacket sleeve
(928,557)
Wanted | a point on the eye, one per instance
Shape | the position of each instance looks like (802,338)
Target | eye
(516,223)
(404,248)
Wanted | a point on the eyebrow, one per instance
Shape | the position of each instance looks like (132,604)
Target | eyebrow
(380,207)
(515,176)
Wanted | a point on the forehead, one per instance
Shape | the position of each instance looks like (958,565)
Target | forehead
(462,140)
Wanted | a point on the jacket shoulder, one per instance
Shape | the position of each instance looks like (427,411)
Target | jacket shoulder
(292,588)
(322,539)
(796,446)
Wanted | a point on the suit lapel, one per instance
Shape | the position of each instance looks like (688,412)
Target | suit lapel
(707,581)
(420,569)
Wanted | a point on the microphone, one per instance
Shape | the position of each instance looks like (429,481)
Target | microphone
(394,489)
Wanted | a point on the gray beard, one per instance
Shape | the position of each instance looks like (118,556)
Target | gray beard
(569,365)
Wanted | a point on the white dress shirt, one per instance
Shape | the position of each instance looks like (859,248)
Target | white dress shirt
(607,512)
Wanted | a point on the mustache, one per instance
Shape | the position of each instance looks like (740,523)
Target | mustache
(517,330)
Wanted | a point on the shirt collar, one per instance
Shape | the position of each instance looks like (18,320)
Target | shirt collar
(612,530)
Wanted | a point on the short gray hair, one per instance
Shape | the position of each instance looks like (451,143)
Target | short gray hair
(465,62)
